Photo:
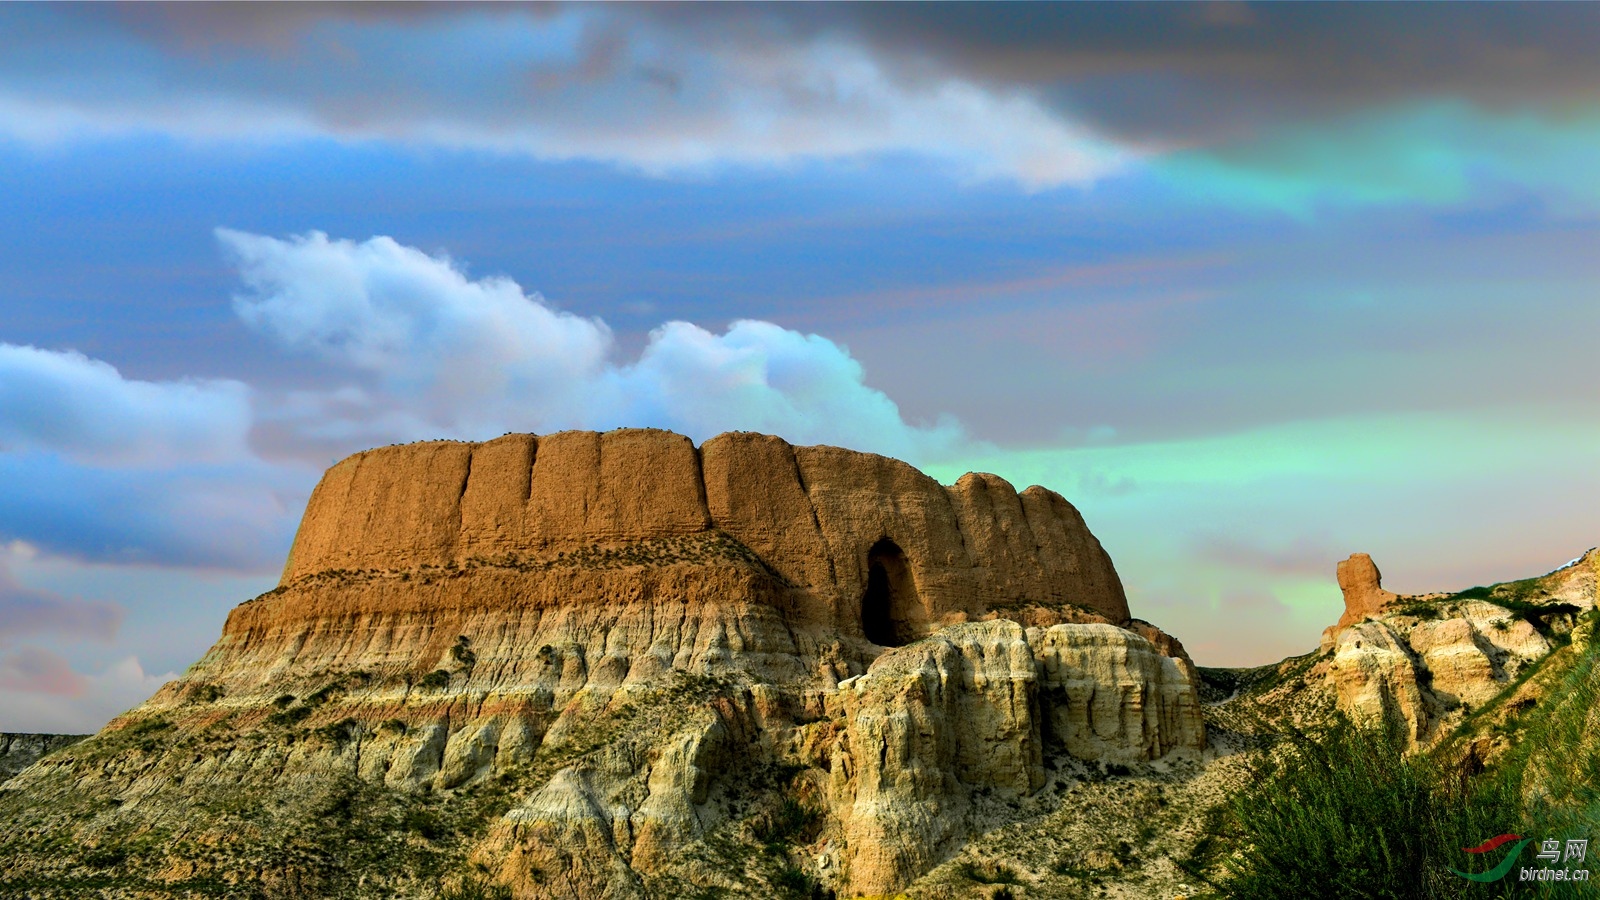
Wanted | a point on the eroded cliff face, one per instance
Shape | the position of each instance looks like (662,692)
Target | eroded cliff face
(982,706)
(626,666)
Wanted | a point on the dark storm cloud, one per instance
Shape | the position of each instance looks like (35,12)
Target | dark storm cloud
(598,83)
(1198,70)
(1177,71)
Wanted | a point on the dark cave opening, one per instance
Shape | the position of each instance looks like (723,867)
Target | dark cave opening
(891,597)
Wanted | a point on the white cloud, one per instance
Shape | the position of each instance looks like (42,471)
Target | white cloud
(818,100)
(100,466)
(432,335)
(106,468)
(451,356)
(67,403)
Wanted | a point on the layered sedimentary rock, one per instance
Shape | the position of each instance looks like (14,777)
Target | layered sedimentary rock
(1577,582)
(608,658)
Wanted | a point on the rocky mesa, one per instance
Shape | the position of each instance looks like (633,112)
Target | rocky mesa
(619,665)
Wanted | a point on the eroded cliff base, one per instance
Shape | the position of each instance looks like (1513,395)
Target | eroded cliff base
(686,783)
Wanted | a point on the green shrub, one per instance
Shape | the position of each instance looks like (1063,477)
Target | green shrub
(438,679)
(145,727)
(424,823)
(1554,760)
(1537,614)
(792,821)
(795,882)
(207,693)
(463,653)
(291,716)
(1527,587)
(105,857)
(340,731)
(323,694)
(1344,812)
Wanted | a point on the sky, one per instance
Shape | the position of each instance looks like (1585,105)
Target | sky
(1254,286)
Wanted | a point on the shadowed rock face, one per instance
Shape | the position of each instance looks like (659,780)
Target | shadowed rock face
(608,659)
(813,514)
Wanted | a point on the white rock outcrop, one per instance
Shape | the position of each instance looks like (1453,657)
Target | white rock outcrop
(978,706)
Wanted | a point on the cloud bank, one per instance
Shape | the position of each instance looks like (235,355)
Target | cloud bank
(68,404)
(102,467)
(656,94)
(1041,94)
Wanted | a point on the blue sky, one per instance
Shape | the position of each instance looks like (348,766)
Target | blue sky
(1254,287)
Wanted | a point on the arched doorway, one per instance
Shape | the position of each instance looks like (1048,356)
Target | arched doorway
(890,605)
